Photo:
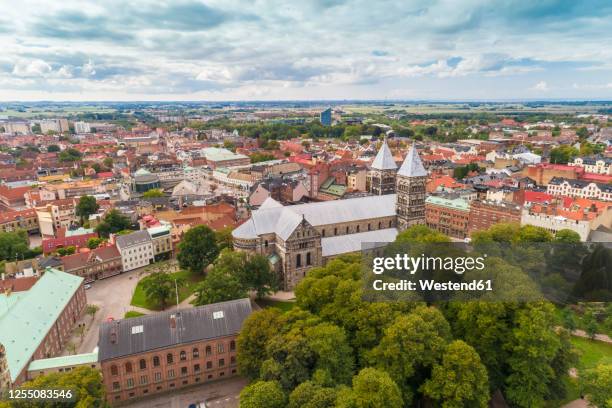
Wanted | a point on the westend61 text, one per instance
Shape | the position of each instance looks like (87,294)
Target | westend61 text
(429,285)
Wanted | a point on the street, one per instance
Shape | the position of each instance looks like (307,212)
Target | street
(112,296)
(219,394)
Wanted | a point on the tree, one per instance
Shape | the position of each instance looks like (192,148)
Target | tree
(260,277)
(112,223)
(14,245)
(263,394)
(53,148)
(569,320)
(563,154)
(92,310)
(333,353)
(596,384)
(93,242)
(86,383)
(257,330)
(108,162)
(159,287)
(224,239)
(260,157)
(69,155)
(533,346)
(218,287)
(198,249)
(64,251)
(460,380)
(567,236)
(372,388)
(153,193)
(590,325)
(410,347)
(86,206)
(309,394)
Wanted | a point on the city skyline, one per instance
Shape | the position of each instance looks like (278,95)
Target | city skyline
(322,50)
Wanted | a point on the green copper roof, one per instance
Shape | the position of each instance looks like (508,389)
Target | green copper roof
(457,203)
(27,317)
(64,361)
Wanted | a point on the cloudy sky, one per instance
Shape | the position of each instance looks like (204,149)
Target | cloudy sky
(319,49)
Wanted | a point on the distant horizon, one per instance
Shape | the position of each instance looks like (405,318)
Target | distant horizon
(347,100)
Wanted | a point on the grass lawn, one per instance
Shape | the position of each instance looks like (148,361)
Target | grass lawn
(592,352)
(190,281)
(284,306)
(133,313)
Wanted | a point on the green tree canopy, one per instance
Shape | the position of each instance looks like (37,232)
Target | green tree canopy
(155,192)
(460,380)
(14,245)
(112,223)
(86,206)
(263,394)
(86,382)
(257,330)
(372,388)
(198,249)
(159,288)
(218,287)
(596,384)
(309,394)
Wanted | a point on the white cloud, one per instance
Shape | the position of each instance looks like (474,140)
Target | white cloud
(540,86)
(32,68)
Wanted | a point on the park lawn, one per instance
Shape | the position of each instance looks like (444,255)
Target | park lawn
(592,352)
(191,280)
(284,306)
(132,313)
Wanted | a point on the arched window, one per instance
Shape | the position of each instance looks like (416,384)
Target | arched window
(114,370)
(196,353)
(308,258)
(323,232)
(390,223)
(298,260)
(379,225)
(347,229)
(208,350)
(169,358)
(143,364)
(183,355)
(232,345)
(156,361)
(128,367)
(358,228)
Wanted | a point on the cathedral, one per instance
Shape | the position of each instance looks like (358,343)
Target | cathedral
(296,238)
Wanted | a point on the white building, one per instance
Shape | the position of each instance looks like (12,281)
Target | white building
(136,249)
(596,164)
(82,127)
(559,186)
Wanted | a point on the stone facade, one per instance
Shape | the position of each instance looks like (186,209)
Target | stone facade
(297,238)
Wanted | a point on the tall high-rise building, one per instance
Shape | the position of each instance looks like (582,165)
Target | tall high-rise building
(82,127)
(381,176)
(326,117)
(410,190)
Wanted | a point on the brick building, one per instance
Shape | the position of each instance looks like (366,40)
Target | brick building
(484,214)
(448,216)
(29,334)
(182,348)
(19,219)
(96,264)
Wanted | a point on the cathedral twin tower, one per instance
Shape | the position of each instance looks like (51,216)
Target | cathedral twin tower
(408,183)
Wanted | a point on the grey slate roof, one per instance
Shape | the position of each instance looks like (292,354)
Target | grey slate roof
(283,220)
(134,238)
(412,166)
(152,332)
(384,159)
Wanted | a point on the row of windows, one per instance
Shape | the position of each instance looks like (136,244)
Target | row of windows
(358,228)
(117,386)
(142,363)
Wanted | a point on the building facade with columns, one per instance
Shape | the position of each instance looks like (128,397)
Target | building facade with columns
(297,238)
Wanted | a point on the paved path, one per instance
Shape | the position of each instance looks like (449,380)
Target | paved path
(579,403)
(599,337)
(218,394)
(282,296)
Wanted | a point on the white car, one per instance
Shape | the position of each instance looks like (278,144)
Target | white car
(87,286)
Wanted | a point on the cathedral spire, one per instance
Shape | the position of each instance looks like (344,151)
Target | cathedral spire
(412,165)
(384,158)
